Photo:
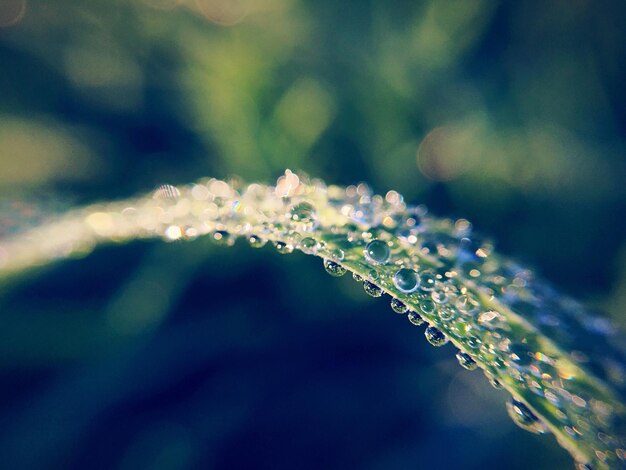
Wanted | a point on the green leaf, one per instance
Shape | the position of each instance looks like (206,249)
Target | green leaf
(563,366)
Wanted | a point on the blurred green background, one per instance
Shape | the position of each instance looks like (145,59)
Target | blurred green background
(511,114)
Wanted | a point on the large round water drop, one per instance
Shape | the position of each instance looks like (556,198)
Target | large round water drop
(406,280)
(435,336)
(377,252)
(334,269)
(523,417)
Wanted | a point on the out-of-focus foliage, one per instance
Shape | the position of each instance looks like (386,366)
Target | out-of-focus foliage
(510,113)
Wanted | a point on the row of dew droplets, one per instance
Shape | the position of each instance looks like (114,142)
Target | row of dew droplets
(553,355)
(441,294)
(438,271)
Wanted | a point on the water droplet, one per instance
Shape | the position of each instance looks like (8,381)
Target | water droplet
(435,336)
(427,306)
(446,312)
(377,252)
(427,280)
(372,289)
(283,248)
(398,306)
(490,319)
(467,304)
(523,417)
(520,354)
(308,245)
(372,274)
(221,237)
(334,269)
(440,296)
(337,254)
(303,216)
(256,241)
(415,318)
(357,277)
(466,361)
(492,380)
(406,280)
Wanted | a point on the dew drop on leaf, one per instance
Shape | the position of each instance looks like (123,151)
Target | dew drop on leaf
(377,252)
(435,336)
(415,318)
(406,280)
(303,216)
(334,269)
(372,289)
(523,417)
(283,248)
(466,361)
(398,306)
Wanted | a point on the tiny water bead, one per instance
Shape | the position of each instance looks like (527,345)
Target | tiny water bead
(334,269)
(523,417)
(337,254)
(415,318)
(398,306)
(357,277)
(406,280)
(467,304)
(466,361)
(372,289)
(427,280)
(308,245)
(256,241)
(435,336)
(283,248)
(377,252)
(221,237)
(427,306)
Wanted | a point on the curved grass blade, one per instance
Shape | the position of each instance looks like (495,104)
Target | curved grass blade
(563,366)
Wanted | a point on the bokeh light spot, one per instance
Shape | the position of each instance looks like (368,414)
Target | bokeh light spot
(224,12)
(441,155)
(11,12)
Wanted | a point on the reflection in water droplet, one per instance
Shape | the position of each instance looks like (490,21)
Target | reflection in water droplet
(435,336)
(466,361)
(334,269)
(406,280)
(372,289)
(398,306)
(377,252)
(357,277)
(523,417)
(308,245)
